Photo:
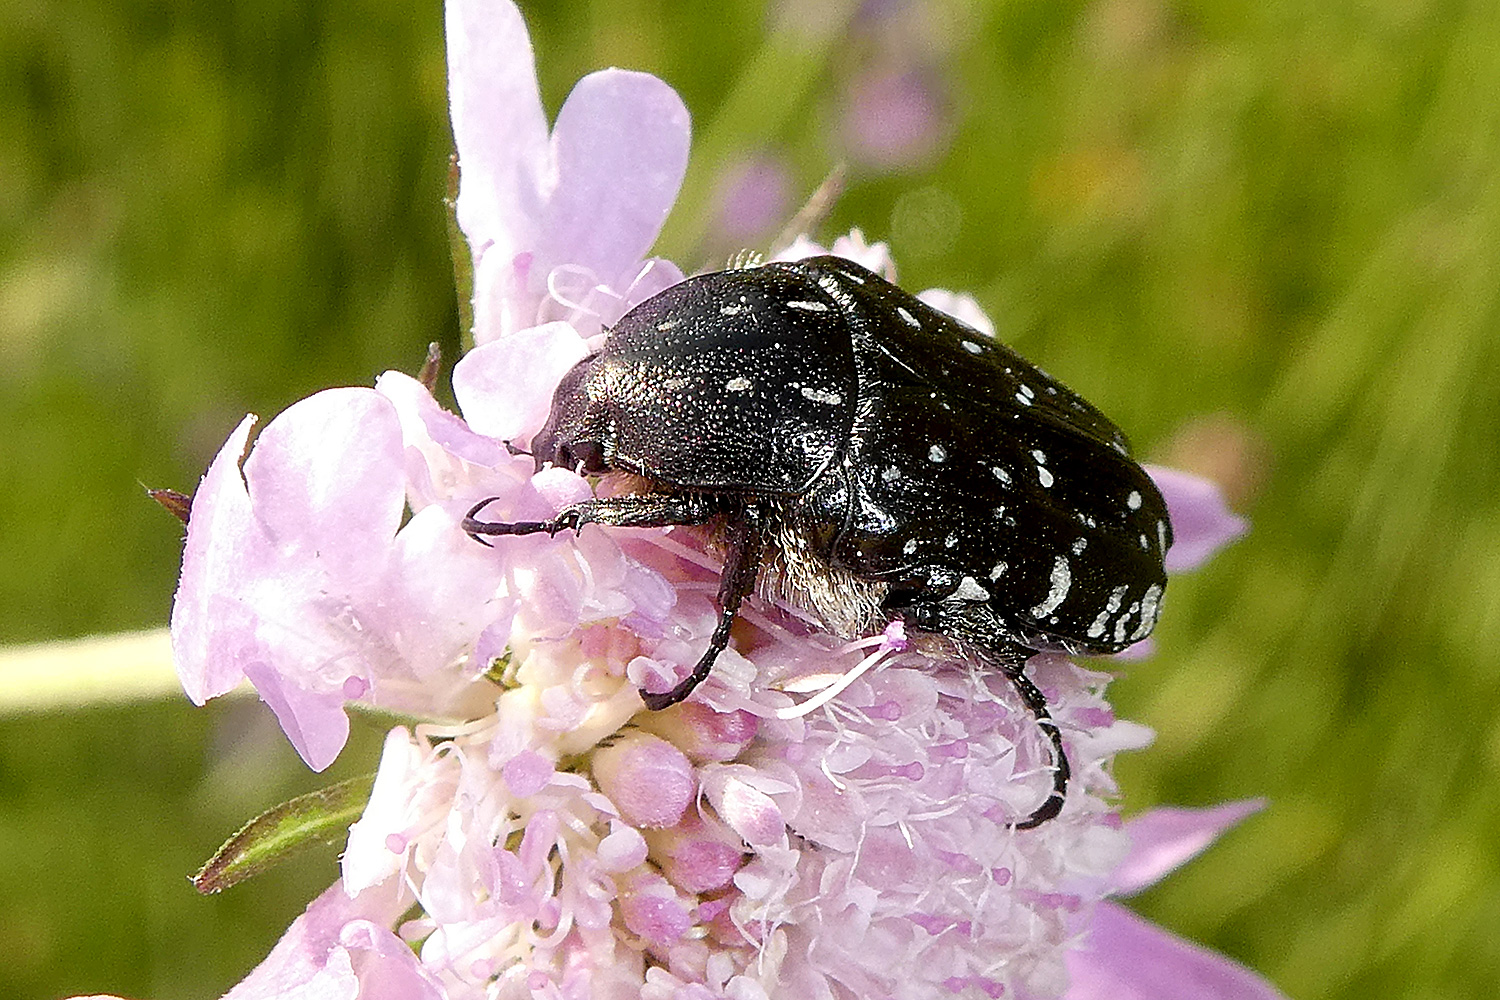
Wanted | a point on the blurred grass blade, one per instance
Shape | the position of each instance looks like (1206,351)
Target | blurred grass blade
(285,831)
(97,670)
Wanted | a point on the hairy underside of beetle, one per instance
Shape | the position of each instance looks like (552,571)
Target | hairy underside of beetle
(847,605)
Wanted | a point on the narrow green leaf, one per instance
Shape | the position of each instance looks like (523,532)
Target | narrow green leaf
(311,820)
(463,260)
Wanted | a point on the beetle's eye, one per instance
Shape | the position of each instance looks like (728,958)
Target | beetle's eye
(580,456)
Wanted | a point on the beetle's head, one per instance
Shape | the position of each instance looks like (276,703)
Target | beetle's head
(576,430)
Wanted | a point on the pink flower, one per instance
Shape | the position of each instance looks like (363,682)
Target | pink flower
(558,223)
(824,818)
(1126,958)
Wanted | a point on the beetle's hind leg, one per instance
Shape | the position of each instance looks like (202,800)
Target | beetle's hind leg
(1061,771)
(980,632)
(645,510)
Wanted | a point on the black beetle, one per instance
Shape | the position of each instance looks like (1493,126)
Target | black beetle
(877,458)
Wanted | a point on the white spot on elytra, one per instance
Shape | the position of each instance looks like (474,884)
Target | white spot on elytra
(937,453)
(813,307)
(1043,476)
(1116,596)
(1121,625)
(674,383)
(910,547)
(1150,608)
(998,571)
(1039,455)
(911,320)
(1000,513)
(731,309)
(1001,474)
(1060,581)
(971,347)
(1023,400)
(951,542)
(827,396)
(738,384)
(1133,501)
(970,590)
(1161,534)
(666,325)
(1145,543)
(1079,546)
(890,474)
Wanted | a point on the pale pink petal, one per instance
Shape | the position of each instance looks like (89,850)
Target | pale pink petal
(620,149)
(325,478)
(441,450)
(505,387)
(282,565)
(309,961)
(441,594)
(656,274)
(852,246)
(207,626)
(875,256)
(1163,840)
(961,307)
(378,839)
(1127,958)
(387,967)
(498,123)
(1202,522)
(557,228)
(314,721)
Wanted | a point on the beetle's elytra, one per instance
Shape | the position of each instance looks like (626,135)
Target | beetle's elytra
(877,458)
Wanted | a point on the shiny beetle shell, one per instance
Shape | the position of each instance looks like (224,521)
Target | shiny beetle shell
(878,456)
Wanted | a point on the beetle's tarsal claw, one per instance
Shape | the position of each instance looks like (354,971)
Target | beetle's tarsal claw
(666,699)
(473,527)
(481,505)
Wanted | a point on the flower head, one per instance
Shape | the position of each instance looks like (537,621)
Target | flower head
(824,818)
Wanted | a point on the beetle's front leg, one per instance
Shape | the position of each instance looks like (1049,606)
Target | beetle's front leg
(646,510)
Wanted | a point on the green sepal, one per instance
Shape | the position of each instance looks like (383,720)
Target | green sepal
(313,820)
(463,260)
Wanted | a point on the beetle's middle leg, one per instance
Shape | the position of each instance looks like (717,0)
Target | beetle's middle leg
(746,531)
(745,540)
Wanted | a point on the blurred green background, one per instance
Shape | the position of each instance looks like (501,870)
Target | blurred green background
(1264,236)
